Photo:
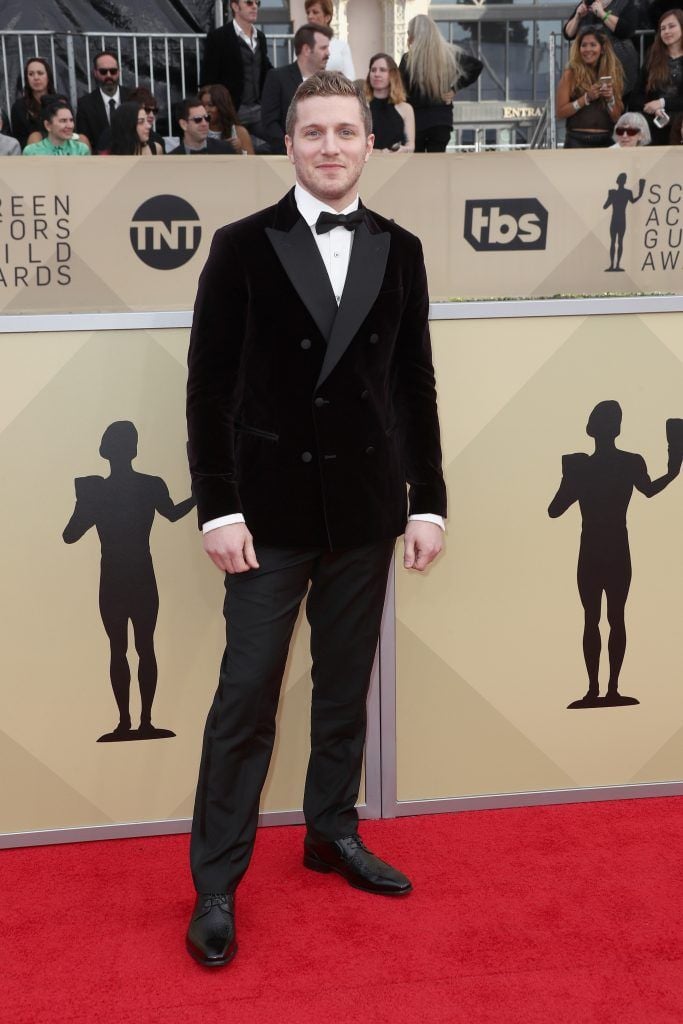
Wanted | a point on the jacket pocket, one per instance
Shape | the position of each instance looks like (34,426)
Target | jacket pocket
(265,435)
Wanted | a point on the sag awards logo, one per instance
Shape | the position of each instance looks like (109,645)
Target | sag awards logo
(35,240)
(165,232)
(660,246)
(506,225)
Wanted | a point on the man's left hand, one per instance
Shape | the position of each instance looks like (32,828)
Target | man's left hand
(422,543)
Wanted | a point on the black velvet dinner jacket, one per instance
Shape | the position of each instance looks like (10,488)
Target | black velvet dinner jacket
(309,418)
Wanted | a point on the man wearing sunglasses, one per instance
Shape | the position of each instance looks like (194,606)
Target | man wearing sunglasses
(194,124)
(93,116)
(236,56)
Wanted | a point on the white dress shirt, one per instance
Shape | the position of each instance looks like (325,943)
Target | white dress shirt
(251,40)
(335,248)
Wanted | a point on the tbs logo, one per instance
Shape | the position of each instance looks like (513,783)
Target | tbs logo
(165,232)
(505,225)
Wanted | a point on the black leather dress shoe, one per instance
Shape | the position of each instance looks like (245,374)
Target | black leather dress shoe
(211,935)
(361,869)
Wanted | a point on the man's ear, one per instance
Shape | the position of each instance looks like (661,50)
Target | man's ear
(183,124)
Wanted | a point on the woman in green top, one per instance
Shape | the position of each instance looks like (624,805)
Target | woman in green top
(59,125)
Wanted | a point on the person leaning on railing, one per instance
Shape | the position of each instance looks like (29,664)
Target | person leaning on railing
(619,18)
(589,94)
(661,87)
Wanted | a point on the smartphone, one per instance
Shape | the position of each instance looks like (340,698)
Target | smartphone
(605,78)
(661,119)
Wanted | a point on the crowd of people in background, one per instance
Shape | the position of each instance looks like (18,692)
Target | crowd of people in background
(603,79)
(603,94)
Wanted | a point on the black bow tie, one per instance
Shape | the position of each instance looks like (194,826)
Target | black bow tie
(350,221)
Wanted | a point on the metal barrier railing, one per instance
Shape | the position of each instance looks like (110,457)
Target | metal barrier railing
(168,64)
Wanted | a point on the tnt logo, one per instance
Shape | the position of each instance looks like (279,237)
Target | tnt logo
(505,225)
(165,232)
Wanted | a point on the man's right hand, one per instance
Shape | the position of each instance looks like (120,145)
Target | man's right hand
(231,548)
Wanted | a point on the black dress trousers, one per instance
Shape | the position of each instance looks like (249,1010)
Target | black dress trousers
(344,609)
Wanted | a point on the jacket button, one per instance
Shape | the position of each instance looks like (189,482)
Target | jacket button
(306,344)
(370,450)
(306,457)
(364,395)
(320,402)
(374,338)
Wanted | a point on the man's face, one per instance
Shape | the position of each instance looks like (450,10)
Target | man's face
(329,147)
(317,56)
(107,74)
(245,10)
(196,127)
(61,127)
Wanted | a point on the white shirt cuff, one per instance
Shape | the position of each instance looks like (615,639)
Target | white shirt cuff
(427,517)
(213,524)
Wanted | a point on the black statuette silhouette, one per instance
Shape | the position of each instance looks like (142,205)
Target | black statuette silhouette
(603,484)
(619,198)
(122,507)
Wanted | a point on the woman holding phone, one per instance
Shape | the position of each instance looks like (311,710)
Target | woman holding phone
(590,91)
(661,93)
(619,19)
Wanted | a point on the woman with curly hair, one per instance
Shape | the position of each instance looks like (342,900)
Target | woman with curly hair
(433,71)
(223,123)
(590,91)
(662,81)
(27,115)
(393,120)
(130,132)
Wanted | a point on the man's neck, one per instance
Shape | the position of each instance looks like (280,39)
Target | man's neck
(246,26)
(335,204)
(195,147)
(304,68)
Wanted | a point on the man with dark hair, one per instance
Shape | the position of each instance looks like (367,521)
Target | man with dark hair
(94,112)
(194,124)
(236,56)
(311,405)
(312,49)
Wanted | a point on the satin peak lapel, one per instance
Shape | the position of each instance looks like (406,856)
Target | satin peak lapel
(301,260)
(368,262)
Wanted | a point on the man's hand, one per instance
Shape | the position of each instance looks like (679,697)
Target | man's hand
(422,543)
(231,548)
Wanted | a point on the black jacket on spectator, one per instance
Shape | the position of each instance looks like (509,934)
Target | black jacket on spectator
(92,118)
(213,148)
(278,93)
(673,100)
(223,62)
(427,112)
(23,121)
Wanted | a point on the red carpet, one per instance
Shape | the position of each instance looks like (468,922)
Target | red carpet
(534,915)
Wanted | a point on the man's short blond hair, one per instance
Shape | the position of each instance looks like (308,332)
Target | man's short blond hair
(328,83)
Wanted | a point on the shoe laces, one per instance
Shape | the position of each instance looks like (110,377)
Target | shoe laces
(357,843)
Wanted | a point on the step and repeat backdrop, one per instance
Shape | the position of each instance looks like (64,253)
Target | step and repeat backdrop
(103,575)
(104,581)
(543,651)
(123,234)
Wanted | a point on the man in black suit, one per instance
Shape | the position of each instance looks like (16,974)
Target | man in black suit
(194,124)
(93,116)
(312,49)
(236,56)
(311,404)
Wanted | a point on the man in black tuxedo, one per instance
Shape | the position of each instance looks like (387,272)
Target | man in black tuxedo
(312,49)
(93,116)
(236,56)
(311,404)
(194,124)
